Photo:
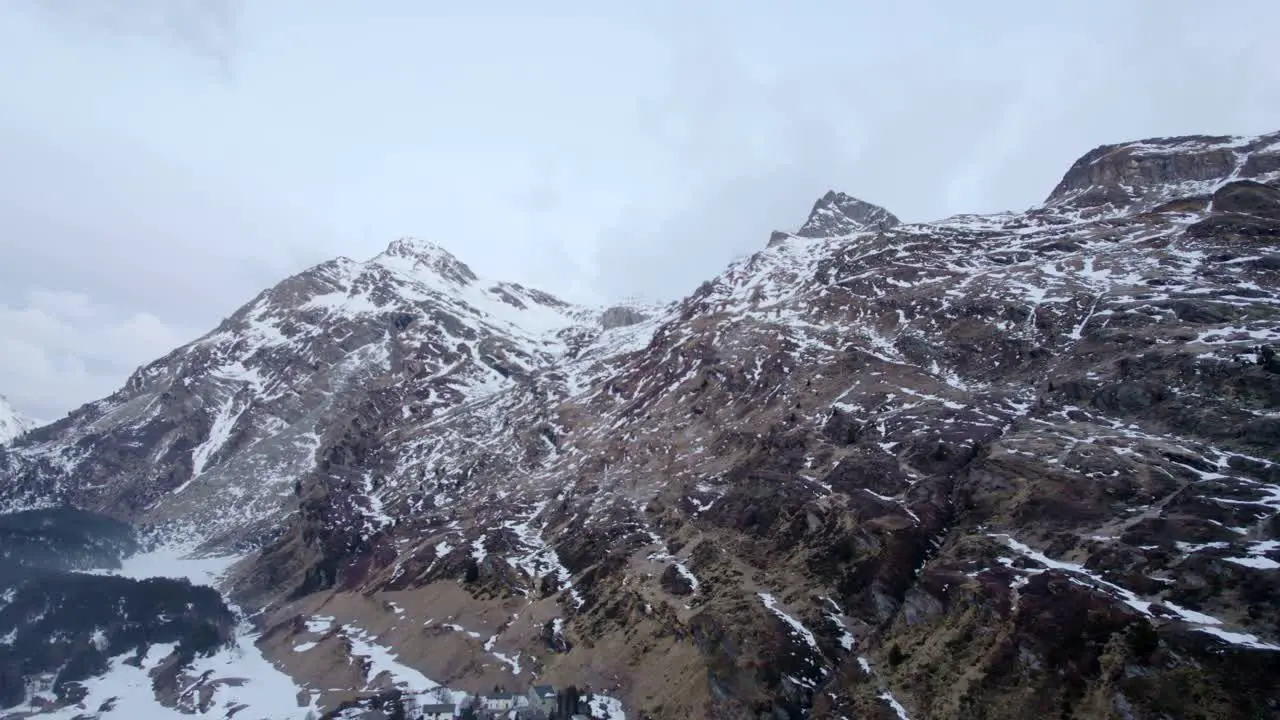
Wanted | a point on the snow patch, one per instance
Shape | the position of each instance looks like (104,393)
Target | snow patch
(797,627)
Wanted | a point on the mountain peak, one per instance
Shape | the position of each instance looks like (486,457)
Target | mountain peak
(409,245)
(836,213)
(12,423)
(1140,175)
(414,254)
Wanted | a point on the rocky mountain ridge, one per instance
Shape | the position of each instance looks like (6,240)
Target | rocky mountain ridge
(973,468)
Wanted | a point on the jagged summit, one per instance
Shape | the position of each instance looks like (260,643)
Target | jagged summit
(1141,175)
(415,254)
(12,422)
(836,214)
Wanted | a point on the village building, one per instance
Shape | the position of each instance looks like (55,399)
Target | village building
(542,698)
(500,701)
(439,711)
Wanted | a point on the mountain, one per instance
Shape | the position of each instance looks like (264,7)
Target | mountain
(989,466)
(12,423)
(262,395)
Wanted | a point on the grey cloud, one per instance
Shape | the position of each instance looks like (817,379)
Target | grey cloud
(206,30)
(113,222)
(950,109)
(64,348)
(594,151)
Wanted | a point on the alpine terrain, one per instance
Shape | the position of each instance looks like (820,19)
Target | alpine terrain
(12,423)
(994,466)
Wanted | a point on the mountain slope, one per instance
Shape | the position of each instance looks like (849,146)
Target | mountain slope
(257,396)
(981,467)
(12,423)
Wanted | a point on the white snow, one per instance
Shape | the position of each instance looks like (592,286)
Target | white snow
(267,691)
(224,421)
(1203,622)
(847,640)
(383,660)
(797,626)
(420,264)
(174,561)
(607,708)
(240,675)
(687,575)
(129,687)
(12,422)
(539,557)
(1236,638)
(888,697)
(458,628)
(514,662)
(320,624)
(1260,563)
(376,516)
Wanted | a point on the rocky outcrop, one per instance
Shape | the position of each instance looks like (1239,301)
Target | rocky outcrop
(1138,176)
(621,316)
(256,397)
(836,214)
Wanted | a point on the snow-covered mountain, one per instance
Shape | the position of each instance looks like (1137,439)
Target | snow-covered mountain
(12,422)
(977,467)
(268,389)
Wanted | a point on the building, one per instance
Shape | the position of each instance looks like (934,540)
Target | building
(441,711)
(499,701)
(543,698)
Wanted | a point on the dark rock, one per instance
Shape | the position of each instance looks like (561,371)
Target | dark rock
(838,214)
(1249,198)
(1201,311)
(621,316)
(841,428)
(675,582)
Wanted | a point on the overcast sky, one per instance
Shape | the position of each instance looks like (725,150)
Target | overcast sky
(161,161)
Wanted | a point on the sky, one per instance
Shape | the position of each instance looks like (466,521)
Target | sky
(163,161)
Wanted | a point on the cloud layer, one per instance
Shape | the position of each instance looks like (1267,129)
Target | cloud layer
(164,160)
(82,348)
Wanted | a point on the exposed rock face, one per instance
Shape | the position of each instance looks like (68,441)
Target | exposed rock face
(621,316)
(1137,176)
(259,396)
(838,214)
(994,466)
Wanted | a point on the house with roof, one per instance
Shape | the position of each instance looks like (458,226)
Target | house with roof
(542,698)
(436,711)
(499,701)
